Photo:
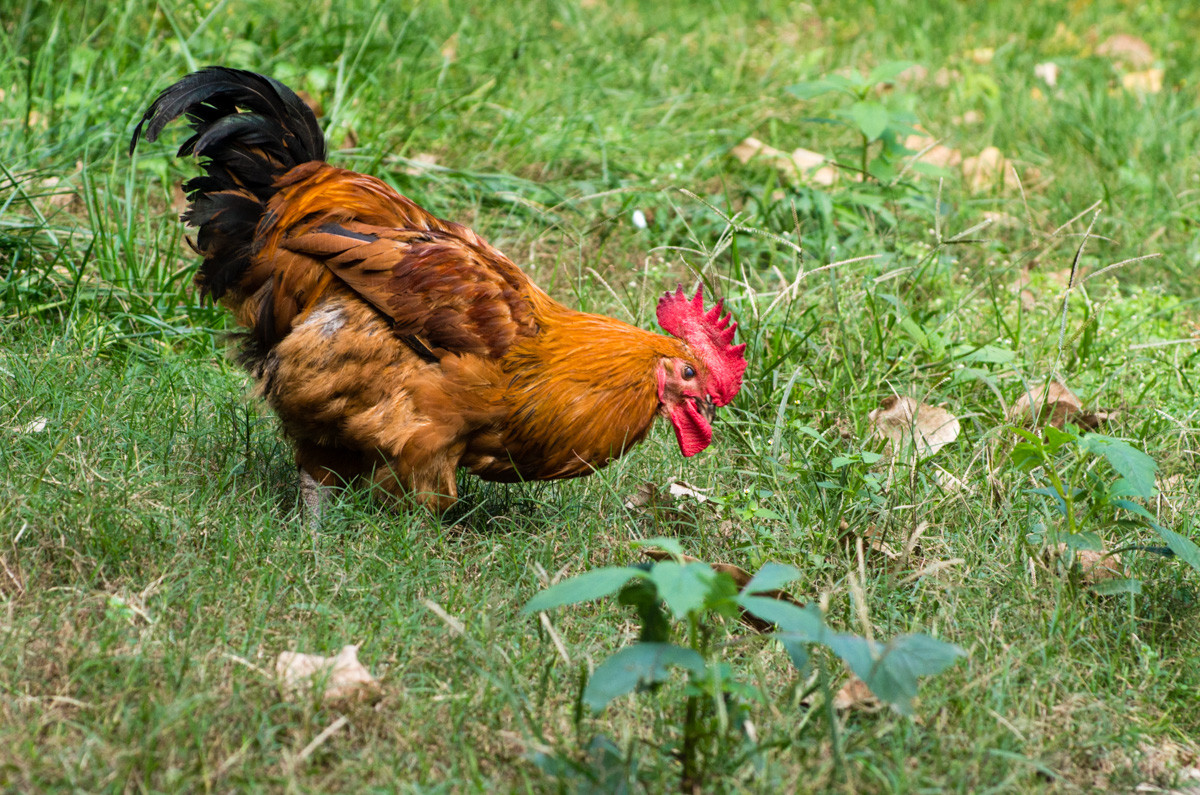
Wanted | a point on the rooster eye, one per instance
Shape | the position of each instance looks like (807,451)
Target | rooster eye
(688,372)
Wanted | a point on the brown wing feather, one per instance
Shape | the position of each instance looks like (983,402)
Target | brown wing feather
(434,285)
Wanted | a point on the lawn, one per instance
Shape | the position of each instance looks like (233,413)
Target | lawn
(1040,226)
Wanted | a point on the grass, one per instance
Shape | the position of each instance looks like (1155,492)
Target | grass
(152,563)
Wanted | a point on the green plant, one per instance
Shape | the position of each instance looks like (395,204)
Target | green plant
(1064,461)
(874,119)
(693,594)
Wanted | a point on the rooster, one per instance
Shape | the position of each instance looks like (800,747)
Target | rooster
(397,347)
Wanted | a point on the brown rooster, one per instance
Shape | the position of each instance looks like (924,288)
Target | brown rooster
(399,347)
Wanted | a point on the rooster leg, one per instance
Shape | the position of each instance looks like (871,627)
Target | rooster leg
(312,495)
(322,469)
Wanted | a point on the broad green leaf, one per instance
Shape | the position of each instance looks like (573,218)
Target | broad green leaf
(1135,508)
(1084,542)
(1110,587)
(683,587)
(583,588)
(799,623)
(891,671)
(887,71)
(1056,439)
(1027,455)
(810,89)
(771,577)
(988,354)
(643,596)
(1182,546)
(870,117)
(668,545)
(1135,467)
(639,665)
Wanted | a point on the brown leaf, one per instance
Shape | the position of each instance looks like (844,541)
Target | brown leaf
(985,169)
(1052,403)
(419,163)
(906,423)
(1149,81)
(930,151)
(801,165)
(967,119)
(981,55)
(856,695)
(343,677)
(872,540)
(1127,50)
(450,48)
(647,496)
(1048,72)
(1093,566)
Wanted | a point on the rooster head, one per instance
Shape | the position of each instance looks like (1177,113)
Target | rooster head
(690,387)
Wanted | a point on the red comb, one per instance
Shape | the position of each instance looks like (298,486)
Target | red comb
(710,335)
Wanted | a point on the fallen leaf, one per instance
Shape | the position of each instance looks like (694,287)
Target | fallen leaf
(36,425)
(647,495)
(914,74)
(1052,403)
(856,695)
(802,164)
(901,420)
(1128,50)
(450,48)
(343,677)
(982,55)
(872,540)
(419,163)
(1093,566)
(930,151)
(967,119)
(1048,72)
(946,77)
(1148,82)
(985,169)
(679,488)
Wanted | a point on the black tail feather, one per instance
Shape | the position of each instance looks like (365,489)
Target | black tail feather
(248,130)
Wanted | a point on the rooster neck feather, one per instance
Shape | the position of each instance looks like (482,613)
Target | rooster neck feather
(587,383)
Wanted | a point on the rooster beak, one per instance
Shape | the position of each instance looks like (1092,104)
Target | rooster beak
(708,409)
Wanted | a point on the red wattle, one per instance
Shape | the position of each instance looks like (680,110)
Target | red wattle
(692,431)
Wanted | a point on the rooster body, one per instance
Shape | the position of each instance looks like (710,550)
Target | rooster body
(399,347)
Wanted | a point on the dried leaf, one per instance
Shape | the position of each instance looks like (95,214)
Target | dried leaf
(1128,50)
(904,423)
(1094,566)
(647,496)
(1048,72)
(679,488)
(450,48)
(946,77)
(1052,403)
(967,119)
(981,55)
(343,677)
(419,163)
(36,425)
(801,164)
(1149,81)
(985,169)
(856,695)
(930,151)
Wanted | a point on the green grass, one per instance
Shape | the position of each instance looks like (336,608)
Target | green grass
(153,566)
